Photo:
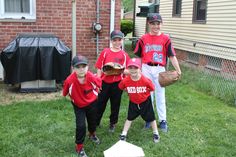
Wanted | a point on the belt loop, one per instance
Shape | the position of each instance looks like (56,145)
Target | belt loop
(138,106)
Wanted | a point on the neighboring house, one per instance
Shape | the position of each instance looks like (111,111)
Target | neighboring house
(55,17)
(140,22)
(128,15)
(203,31)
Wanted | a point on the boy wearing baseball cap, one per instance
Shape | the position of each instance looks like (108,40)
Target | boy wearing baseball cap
(154,48)
(110,90)
(82,86)
(138,88)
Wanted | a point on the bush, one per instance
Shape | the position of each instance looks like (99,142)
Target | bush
(126,26)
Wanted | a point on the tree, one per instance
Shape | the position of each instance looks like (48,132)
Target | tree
(126,26)
(128,5)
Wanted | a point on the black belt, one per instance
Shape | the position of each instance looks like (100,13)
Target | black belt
(153,64)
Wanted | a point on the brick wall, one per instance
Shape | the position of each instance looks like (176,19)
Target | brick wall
(181,55)
(54,17)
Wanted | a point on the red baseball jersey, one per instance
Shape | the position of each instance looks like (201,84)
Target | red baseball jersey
(82,94)
(106,56)
(154,48)
(138,91)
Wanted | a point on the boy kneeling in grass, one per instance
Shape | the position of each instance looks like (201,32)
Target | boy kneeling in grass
(138,88)
(82,87)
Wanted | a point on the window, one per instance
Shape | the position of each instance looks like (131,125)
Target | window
(17,9)
(177,6)
(214,62)
(199,11)
(193,57)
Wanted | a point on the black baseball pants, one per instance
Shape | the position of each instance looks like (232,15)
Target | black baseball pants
(81,114)
(113,92)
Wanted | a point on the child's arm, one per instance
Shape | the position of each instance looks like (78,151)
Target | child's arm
(150,85)
(175,63)
(99,73)
(65,90)
(138,48)
(121,85)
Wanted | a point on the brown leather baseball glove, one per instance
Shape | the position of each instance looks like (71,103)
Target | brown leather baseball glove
(112,68)
(168,77)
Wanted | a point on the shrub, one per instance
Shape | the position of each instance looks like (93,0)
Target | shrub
(126,26)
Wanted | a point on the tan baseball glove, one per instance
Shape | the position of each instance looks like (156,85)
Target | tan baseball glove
(112,68)
(168,77)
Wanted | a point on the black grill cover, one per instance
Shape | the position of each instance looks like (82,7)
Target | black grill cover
(36,57)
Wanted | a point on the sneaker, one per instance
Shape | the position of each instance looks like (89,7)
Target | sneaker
(95,139)
(122,137)
(147,125)
(163,126)
(82,153)
(156,138)
(112,128)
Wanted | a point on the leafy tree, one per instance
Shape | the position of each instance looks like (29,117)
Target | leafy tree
(128,5)
(126,26)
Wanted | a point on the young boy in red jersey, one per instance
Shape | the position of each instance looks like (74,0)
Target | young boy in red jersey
(82,87)
(110,89)
(154,48)
(138,88)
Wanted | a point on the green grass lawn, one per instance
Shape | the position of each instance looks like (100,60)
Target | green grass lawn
(199,125)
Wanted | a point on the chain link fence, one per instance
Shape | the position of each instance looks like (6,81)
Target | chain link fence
(213,75)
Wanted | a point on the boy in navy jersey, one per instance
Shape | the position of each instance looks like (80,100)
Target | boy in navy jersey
(138,88)
(82,87)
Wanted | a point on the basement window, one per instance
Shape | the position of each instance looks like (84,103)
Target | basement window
(214,63)
(193,57)
(18,9)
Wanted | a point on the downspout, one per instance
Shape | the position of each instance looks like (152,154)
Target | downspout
(112,16)
(97,21)
(73,28)
(134,18)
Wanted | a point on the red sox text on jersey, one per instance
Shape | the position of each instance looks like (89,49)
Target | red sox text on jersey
(136,89)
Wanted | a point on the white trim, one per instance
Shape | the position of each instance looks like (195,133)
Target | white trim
(31,15)
(1,72)
(112,17)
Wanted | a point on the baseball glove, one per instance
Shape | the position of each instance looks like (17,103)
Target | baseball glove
(112,68)
(168,77)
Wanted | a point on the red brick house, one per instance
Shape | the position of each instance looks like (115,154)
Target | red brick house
(55,17)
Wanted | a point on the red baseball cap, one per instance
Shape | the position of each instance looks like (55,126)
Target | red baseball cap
(134,62)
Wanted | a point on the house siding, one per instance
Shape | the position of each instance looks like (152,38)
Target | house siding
(218,32)
(140,22)
(54,17)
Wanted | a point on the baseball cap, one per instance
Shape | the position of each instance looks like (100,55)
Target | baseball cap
(116,34)
(154,17)
(134,62)
(77,60)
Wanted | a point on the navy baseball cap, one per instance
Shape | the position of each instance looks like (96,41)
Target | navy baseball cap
(116,34)
(77,60)
(154,17)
